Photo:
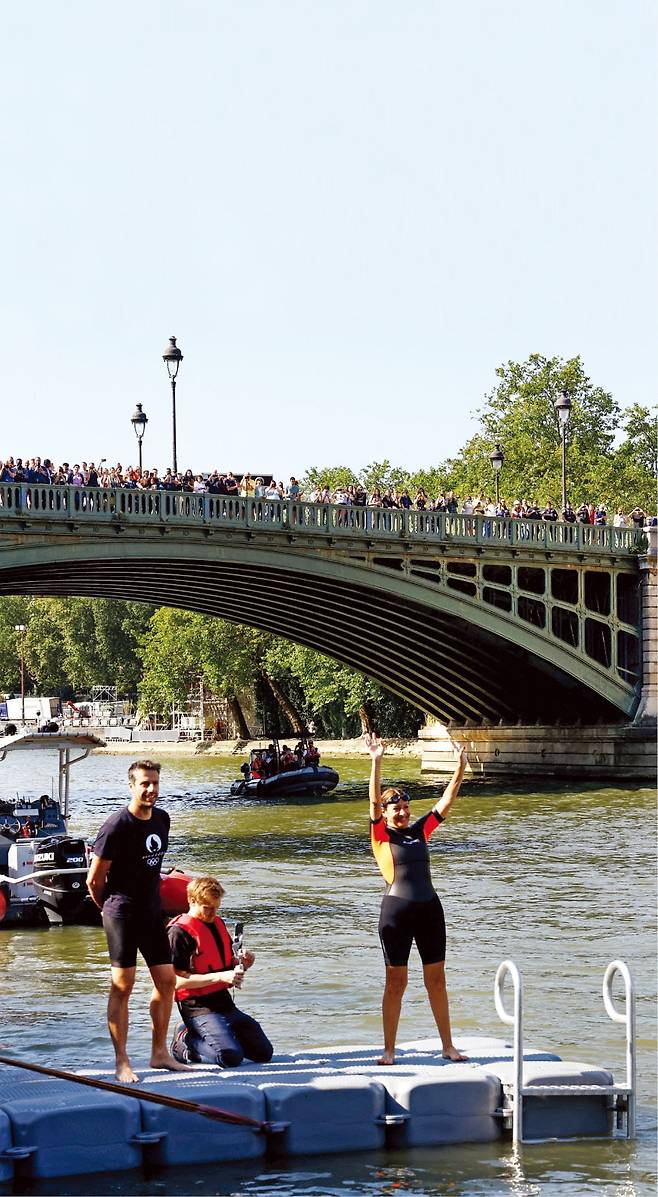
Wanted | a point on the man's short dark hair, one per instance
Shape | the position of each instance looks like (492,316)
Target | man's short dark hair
(146,766)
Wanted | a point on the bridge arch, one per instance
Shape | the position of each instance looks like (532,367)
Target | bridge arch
(434,647)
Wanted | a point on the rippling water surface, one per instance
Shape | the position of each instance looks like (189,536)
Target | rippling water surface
(562,881)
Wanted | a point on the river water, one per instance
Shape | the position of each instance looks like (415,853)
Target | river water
(560,880)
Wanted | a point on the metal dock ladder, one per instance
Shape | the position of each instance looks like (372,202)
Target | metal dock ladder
(621,1097)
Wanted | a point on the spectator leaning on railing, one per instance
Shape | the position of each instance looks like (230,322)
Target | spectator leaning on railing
(35,471)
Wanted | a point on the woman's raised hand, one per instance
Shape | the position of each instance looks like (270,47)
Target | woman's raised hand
(376,747)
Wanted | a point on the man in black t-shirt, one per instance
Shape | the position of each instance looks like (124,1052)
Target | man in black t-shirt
(124,882)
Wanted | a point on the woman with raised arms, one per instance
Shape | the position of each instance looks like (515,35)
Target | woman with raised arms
(411,910)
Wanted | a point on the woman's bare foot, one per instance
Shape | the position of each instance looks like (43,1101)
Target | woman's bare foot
(451,1053)
(124,1073)
(168,1062)
(387,1058)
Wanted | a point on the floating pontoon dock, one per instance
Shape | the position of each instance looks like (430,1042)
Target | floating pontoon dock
(316,1102)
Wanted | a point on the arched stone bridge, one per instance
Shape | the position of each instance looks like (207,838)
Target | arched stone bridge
(471,618)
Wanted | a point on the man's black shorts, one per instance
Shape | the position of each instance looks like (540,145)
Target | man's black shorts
(145,933)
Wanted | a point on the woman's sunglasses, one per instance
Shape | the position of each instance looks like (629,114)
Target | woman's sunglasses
(398,800)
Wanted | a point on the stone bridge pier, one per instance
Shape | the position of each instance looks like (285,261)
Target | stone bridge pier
(648,709)
(605,752)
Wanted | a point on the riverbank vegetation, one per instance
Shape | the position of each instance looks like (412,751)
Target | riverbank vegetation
(159,655)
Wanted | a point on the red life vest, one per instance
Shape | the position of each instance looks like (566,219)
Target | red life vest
(207,957)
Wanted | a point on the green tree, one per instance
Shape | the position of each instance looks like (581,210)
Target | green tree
(14,610)
(337,698)
(182,647)
(519,414)
(170,657)
(296,683)
(633,468)
(381,475)
(332,476)
(378,475)
(72,643)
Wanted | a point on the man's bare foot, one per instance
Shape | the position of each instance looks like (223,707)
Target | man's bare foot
(451,1053)
(387,1058)
(125,1074)
(168,1062)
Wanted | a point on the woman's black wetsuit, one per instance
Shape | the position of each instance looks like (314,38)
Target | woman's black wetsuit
(411,909)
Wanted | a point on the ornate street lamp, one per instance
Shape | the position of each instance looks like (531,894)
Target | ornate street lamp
(139,420)
(497,459)
(563,408)
(22,629)
(172,358)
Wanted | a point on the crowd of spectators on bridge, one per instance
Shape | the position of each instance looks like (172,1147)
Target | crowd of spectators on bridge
(36,471)
(481,504)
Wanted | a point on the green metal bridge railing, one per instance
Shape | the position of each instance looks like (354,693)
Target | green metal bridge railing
(81,504)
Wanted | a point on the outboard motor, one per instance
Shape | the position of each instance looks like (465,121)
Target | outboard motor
(63,894)
(49,726)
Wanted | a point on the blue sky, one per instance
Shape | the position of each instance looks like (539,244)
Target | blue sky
(349,213)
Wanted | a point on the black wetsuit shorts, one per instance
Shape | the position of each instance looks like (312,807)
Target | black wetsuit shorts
(144,932)
(402,921)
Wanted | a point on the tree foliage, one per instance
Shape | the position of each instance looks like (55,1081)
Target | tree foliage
(519,414)
(181,648)
(634,468)
(379,475)
(333,695)
(14,611)
(71,643)
(611,453)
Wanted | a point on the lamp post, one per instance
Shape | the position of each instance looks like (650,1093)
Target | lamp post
(563,409)
(172,358)
(497,459)
(139,420)
(22,629)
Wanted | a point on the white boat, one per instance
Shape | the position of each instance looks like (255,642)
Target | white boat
(42,868)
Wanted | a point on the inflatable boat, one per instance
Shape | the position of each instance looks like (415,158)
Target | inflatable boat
(309,782)
(275,773)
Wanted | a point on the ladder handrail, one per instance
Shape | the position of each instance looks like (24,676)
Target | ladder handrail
(628,1018)
(508,968)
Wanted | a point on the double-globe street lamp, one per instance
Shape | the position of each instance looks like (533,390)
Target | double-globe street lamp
(172,358)
(139,420)
(563,408)
(497,459)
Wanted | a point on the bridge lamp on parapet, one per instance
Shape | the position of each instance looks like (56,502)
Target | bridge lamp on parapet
(172,358)
(139,420)
(497,459)
(21,629)
(563,409)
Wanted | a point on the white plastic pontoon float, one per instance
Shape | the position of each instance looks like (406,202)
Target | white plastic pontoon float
(317,1102)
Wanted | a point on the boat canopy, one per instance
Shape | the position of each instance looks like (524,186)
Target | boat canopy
(58,739)
(61,742)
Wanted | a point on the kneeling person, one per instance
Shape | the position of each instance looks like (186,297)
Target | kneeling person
(215,1031)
